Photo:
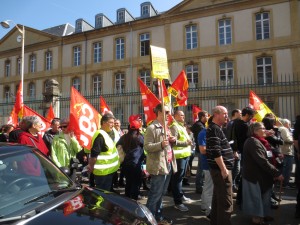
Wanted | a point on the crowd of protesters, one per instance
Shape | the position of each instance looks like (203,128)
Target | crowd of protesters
(237,158)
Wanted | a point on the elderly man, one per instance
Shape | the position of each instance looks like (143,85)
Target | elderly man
(182,154)
(220,161)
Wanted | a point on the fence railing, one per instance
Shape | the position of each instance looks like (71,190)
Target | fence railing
(282,97)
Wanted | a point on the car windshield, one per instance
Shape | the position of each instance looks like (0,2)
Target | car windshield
(26,176)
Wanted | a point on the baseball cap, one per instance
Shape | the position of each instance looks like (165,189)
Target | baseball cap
(134,117)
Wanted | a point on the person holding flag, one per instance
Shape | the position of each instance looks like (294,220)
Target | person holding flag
(104,160)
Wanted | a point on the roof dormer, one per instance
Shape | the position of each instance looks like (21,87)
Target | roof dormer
(102,21)
(147,10)
(81,26)
(123,16)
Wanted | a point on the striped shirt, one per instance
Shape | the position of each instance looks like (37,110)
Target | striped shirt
(217,145)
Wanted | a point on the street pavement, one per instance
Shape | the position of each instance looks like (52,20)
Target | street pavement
(284,215)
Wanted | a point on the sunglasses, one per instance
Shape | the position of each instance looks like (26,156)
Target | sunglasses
(63,126)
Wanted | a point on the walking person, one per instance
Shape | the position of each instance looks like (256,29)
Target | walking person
(220,161)
(160,162)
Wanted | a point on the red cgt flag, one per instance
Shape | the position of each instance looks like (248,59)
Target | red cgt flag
(50,116)
(165,92)
(30,112)
(179,89)
(104,107)
(195,110)
(13,118)
(84,119)
(150,101)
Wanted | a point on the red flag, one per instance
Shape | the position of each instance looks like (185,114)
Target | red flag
(259,106)
(30,112)
(19,102)
(13,118)
(50,116)
(84,119)
(179,89)
(149,102)
(165,92)
(104,107)
(195,110)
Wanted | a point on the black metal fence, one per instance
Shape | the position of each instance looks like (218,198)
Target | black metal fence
(281,96)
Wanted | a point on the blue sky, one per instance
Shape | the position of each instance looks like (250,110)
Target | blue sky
(42,14)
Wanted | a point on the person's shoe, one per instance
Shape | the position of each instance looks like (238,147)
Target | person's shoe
(164,221)
(181,207)
(275,198)
(234,195)
(208,217)
(193,175)
(186,200)
(203,210)
(274,204)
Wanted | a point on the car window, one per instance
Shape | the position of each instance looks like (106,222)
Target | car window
(24,176)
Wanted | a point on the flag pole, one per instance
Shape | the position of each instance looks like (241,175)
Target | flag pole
(163,106)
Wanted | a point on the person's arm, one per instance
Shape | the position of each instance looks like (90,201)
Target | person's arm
(222,167)
(202,149)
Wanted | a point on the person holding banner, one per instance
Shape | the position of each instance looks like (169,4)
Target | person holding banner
(160,161)
(104,160)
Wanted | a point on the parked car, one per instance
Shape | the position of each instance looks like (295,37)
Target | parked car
(33,190)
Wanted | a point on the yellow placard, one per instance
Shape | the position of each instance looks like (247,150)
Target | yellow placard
(159,62)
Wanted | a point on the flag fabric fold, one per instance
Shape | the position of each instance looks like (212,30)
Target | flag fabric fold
(84,119)
(195,110)
(179,89)
(259,106)
(150,101)
(50,115)
(19,102)
(104,107)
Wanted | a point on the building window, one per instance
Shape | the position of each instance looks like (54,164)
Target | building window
(119,113)
(145,10)
(191,37)
(120,48)
(79,25)
(32,63)
(225,33)
(76,83)
(31,90)
(7,68)
(19,66)
(145,77)
(226,73)
(192,75)
(121,16)
(264,70)
(76,55)
(145,44)
(120,82)
(97,52)
(97,84)
(48,60)
(262,22)
(6,94)
(98,21)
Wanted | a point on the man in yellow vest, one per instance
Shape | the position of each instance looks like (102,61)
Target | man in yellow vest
(104,160)
(182,153)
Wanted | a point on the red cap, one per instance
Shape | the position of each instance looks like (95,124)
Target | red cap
(134,117)
(135,124)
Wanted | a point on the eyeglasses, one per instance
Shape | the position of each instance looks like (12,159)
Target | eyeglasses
(64,126)
(261,128)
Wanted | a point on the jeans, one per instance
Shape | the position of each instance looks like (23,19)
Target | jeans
(287,168)
(236,172)
(177,178)
(104,182)
(199,176)
(159,185)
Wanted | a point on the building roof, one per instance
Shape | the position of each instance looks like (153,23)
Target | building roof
(61,30)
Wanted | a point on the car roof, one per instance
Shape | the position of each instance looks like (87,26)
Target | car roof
(7,147)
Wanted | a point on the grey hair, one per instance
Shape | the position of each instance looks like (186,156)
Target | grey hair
(29,121)
(218,109)
(254,127)
(285,121)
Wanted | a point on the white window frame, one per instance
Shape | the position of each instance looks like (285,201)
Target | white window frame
(31,90)
(32,63)
(145,76)
(97,46)
(225,71)
(144,44)
(191,37)
(76,83)
(97,84)
(49,61)
(192,74)
(76,55)
(225,32)
(119,83)
(145,10)
(7,94)
(7,68)
(262,26)
(120,48)
(121,16)
(264,70)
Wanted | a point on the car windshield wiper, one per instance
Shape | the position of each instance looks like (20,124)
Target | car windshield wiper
(50,193)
